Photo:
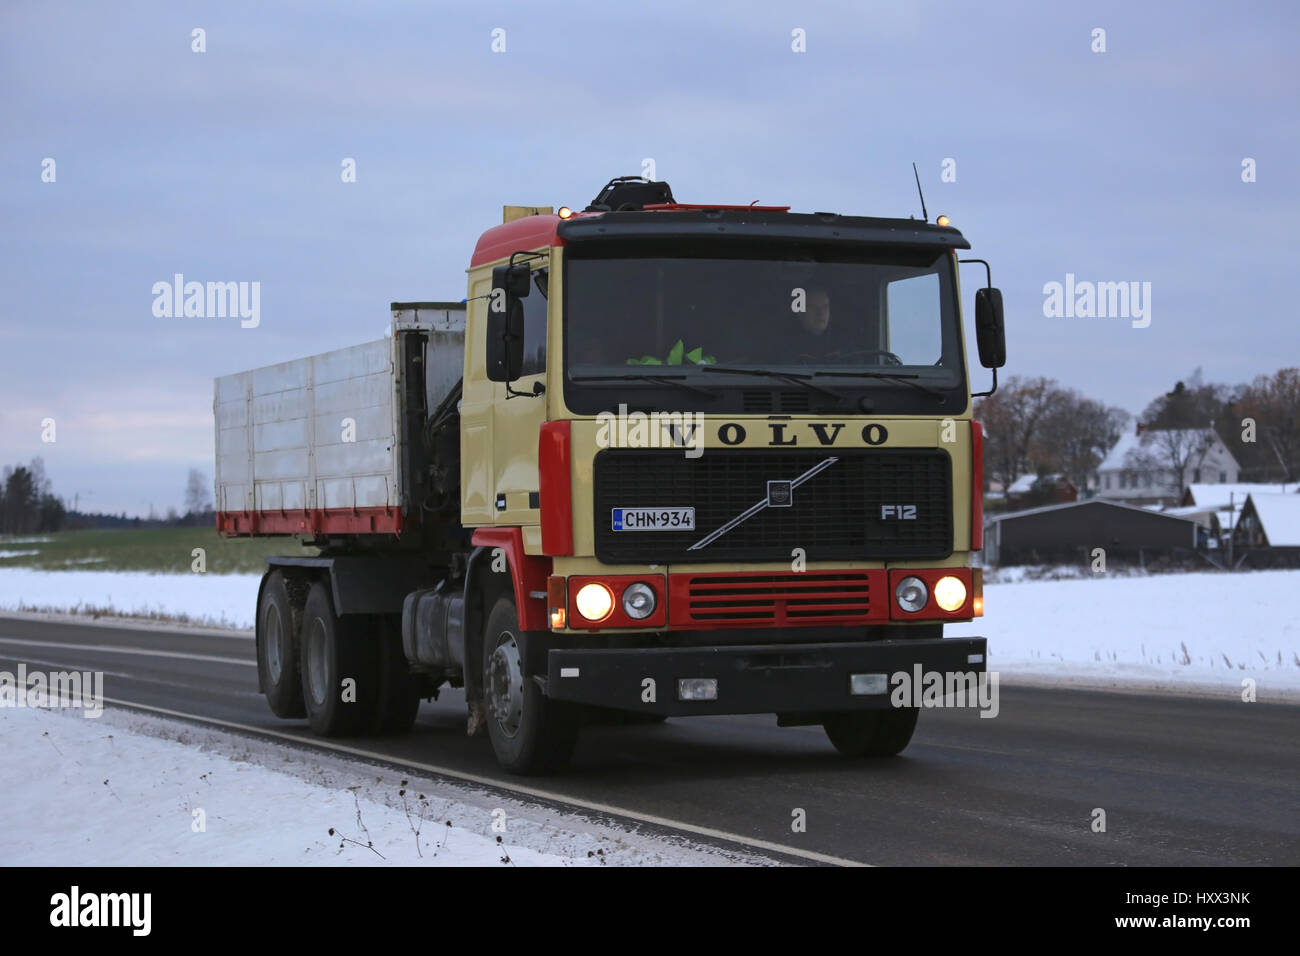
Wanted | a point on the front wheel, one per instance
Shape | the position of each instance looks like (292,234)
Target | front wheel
(530,733)
(871,733)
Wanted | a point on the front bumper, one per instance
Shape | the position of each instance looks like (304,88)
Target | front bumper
(752,679)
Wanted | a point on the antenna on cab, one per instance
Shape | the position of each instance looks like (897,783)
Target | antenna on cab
(924,215)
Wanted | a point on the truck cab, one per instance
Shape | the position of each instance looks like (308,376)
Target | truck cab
(736,445)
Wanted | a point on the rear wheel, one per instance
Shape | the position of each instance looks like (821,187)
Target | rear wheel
(339,676)
(277,649)
(530,733)
(871,733)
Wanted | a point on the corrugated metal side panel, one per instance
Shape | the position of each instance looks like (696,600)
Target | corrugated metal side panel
(315,434)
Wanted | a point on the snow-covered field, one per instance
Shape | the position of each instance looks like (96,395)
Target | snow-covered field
(1177,630)
(1181,630)
(129,790)
(212,599)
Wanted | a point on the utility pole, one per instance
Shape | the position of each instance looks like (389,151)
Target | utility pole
(1232,526)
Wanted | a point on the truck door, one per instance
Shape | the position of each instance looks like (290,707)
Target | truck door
(499,430)
(518,417)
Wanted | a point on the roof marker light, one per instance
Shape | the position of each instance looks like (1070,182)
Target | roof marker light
(565,212)
(941,221)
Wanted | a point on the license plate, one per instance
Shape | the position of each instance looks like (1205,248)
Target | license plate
(653,519)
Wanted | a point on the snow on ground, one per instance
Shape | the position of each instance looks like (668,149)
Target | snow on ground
(215,599)
(1182,630)
(116,791)
(1200,628)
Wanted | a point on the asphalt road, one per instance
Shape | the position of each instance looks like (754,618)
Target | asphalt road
(1182,781)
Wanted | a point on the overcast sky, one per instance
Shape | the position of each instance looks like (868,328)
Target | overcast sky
(225,165)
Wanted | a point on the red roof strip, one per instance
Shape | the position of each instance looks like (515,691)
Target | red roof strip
(530,232)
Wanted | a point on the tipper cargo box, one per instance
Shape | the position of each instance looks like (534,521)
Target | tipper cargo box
(317,444)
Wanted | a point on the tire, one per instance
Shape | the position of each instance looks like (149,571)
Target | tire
(530,733)
(871,733)
(277,649)
(335,649)
(399,696)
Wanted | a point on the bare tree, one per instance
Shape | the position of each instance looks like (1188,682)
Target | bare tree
(1179,431)
(1012,417)
(1273,403)
(1075,436)
(198,497)
(1169,453)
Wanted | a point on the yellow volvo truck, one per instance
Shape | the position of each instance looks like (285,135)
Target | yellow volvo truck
(663,460)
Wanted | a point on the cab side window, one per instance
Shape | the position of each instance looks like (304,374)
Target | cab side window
(535,325)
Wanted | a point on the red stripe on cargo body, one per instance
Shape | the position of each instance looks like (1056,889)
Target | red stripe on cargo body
(379,520)
(555,488)
(528,573)
(976,486)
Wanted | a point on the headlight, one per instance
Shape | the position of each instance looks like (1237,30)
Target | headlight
(639,600)
(911,594)
(594,601)
(949,593)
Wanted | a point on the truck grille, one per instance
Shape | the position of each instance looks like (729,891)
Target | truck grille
(781,600)
(841,513)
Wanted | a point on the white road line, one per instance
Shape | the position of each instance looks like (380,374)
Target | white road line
(560,798)
(153,625)
(64,665)
(106,649)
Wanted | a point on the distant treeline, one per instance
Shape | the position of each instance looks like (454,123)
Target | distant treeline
(28,505)
(78,520)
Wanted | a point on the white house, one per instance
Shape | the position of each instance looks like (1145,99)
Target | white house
(1136,470)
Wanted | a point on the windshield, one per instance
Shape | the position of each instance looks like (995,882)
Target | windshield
(827,325)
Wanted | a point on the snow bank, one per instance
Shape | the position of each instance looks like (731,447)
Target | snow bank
(97,793)
(1203,628)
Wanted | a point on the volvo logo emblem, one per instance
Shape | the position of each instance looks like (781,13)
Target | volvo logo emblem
(780,494)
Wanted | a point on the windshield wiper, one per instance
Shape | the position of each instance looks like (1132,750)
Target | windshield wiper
(654,379)
(905,378)
(796,378)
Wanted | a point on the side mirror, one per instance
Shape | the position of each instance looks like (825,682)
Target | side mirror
(990,332)
(512,279)
(505,322)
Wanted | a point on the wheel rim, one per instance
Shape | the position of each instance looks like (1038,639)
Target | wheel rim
(505,684)
(316,661)
(274,635)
